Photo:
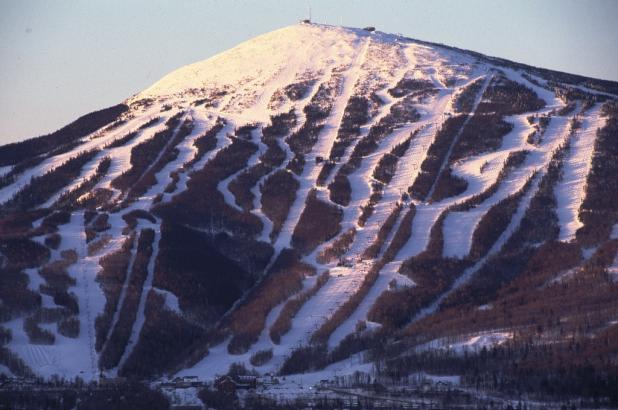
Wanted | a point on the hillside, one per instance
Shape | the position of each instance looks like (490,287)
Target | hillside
(314,193)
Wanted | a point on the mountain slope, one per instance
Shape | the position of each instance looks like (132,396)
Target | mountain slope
(305,196)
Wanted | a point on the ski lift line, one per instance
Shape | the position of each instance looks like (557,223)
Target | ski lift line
(456,138)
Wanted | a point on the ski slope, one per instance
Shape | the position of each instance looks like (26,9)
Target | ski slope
(250,85)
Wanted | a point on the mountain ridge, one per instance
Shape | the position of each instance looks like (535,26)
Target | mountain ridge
(362,33)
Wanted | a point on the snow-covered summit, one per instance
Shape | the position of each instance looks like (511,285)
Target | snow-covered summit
(304,47)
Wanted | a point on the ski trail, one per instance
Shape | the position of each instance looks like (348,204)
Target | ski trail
(268,225)
(571,189)
(224,185)
(141,310)
(447,157)
(256,209)
(162,152)
(307,180)
(523,205)
(459,226)
(92,141)
(123,291)
(121,156)
(187,152)
(427,214)
(408,167)
(555,140)
(325,141)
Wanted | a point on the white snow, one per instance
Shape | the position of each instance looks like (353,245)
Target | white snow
(469,343)
(5,371)
(182,397)
(571,190)
(257,63)
(506,234)
(612,269)
(483,170)
(407,169)
(141,316)
(322,147)
(121,156)
(5,170)
(223,186)
(93,141)
(171,300)
(68,356)
(459,226)
(614,234)
(387,275)
(428,214)
(453,379)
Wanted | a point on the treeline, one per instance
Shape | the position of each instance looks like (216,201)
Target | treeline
(202,202)
(316,112)
(465,99)
(406,86)
(539,224)
(111,279)
(207,141)
(507,97)
(58,281)
(338,247)
(400,114)
(162,341)
(284,279)
(283,323)
(436,155)
(42,188)
(521,370)
(557,302)
(318,223)
(118,339)
(242,186)
(19,254)
(145,153)
(598,210)
(401,236)
(278,194)
(60,394)
(206,282)
(355,114)
(71,198)
(168,154)
(14,153)
(432,275)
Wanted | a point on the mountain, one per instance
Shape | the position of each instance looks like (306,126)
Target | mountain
(321,198)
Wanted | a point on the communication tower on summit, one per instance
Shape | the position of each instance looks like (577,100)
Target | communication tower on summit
(307,20)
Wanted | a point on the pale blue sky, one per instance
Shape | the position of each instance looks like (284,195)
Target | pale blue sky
(63,58)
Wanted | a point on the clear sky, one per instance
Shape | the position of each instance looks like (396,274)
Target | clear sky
(63,58)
